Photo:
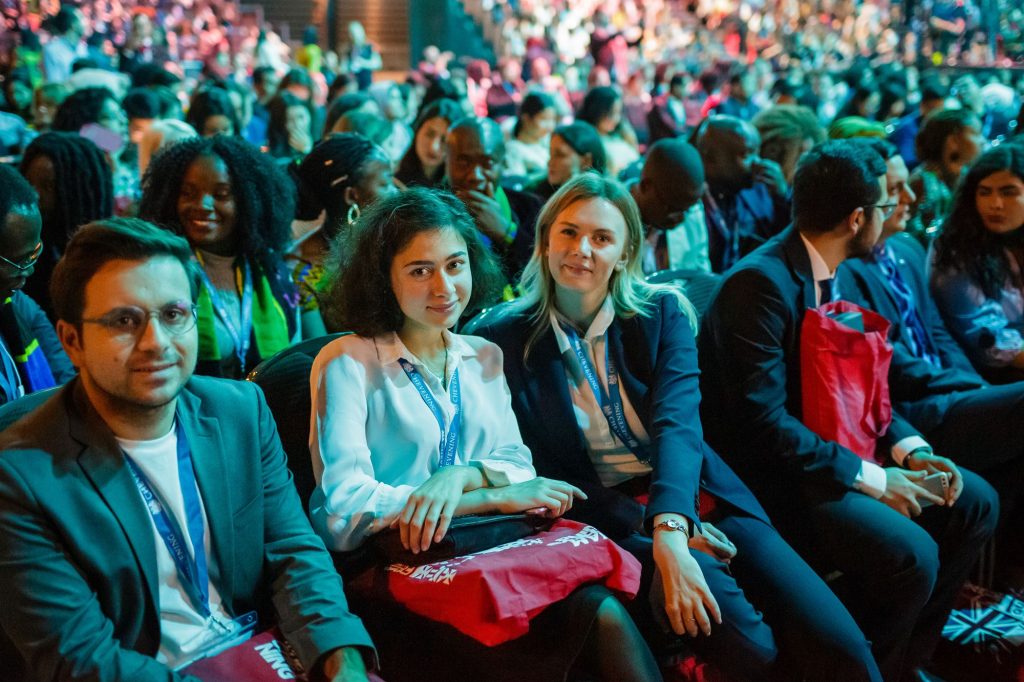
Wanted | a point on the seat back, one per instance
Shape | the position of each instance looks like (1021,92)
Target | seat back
(700,286)
(284,379)
(16,409)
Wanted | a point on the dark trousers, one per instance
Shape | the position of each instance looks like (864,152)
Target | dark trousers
(805,632)
(900,575)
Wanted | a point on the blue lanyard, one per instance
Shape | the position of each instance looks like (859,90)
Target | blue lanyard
(194,574)
(450,436)
(241,337)
(610,400)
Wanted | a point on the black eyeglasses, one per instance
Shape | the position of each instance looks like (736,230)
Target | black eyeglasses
(28,262)
(127,323)
(887,209)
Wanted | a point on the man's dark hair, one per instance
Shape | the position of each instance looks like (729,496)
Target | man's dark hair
(102,241)
(83,184)
(15,194)
(150,75)
(142,103)
(832,180)
(361,298)
(81,108)
(259,74)
(264,195)
(212,101)
(597,104)
(932,89)
(883,148)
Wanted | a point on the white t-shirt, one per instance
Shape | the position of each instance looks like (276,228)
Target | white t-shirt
(183,630)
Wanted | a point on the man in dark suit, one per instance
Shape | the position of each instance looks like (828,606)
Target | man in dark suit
(902,561)
(960,414)
(747,198)
(505,217)
(144,512)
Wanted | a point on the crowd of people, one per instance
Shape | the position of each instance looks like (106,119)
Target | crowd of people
(580,285)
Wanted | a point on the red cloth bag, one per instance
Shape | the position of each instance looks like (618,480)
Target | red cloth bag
(492,595)
(844,377)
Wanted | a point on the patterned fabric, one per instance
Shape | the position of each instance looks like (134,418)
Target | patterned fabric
(982,638)
(310,278)
(919,340)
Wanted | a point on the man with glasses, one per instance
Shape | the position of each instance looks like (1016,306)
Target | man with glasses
(975,424)
(902,561)
(146,514)
(31,357)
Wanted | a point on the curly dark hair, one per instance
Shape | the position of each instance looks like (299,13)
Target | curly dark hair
(264,195)
(964,243)
(360,299)
(81,108)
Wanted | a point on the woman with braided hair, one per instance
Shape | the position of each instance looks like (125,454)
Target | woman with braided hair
(75,187)
(235,207)
(341,176)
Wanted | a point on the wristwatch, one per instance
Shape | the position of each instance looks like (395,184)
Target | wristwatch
(672,524)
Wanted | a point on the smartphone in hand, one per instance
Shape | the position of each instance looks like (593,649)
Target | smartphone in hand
(937,484)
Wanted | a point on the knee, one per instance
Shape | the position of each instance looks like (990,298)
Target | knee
(915,562)
(978,508)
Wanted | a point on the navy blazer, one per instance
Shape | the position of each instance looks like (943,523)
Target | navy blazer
(657,361)
(922,392)
(750,359)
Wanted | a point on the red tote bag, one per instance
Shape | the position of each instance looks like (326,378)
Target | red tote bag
(844,377)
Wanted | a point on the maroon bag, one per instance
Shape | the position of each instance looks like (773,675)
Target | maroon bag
(844,377)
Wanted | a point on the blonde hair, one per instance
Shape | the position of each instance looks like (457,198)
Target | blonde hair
(630,293)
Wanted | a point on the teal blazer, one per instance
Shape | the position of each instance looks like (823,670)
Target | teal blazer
(78,568)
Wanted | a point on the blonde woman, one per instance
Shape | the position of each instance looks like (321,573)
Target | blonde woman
(602,368)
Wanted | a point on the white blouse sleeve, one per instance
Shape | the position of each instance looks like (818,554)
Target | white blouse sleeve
(350,504)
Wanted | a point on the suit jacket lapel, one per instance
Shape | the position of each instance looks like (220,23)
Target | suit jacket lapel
(800,265)
(102,461)
(214,487)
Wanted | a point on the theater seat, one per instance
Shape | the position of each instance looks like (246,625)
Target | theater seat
(700,286)
(16,409)
(284,379)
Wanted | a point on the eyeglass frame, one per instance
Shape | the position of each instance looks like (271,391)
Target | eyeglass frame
(150,314)
(37,253)
(891,206)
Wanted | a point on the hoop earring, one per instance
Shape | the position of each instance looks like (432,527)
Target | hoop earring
(353,214)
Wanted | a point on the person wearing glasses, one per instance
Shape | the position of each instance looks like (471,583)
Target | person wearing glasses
(974,423)
(904,551)
(31,357)
(146,513)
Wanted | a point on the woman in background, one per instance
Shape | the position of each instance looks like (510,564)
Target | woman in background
(235,208)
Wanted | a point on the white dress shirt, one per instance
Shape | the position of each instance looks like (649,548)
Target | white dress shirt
(612,460)
(871,479)
(374,440)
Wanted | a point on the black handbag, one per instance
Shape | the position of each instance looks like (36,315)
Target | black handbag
(466,535)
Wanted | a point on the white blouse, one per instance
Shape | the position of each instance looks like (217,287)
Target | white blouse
(374,440)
